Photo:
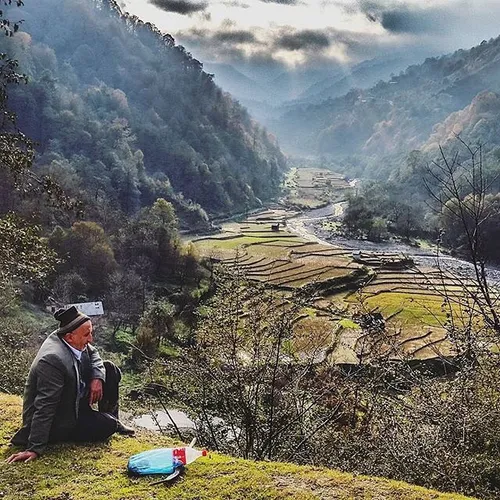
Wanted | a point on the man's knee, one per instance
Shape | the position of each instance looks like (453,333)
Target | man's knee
(94,426)
(113,373)
(109,401)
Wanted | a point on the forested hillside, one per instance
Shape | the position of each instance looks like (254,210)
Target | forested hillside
(402,114)
(121,115)
(113,141)
(362,75)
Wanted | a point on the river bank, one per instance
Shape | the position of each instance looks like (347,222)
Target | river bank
(307,226)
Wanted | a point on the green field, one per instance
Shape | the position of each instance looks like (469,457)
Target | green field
(265,251)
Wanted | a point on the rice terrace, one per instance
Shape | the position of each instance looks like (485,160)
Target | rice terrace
(413,301)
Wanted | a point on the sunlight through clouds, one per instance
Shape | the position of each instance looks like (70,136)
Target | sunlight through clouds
(312,32)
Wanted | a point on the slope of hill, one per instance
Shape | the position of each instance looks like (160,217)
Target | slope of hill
(398,115)
(97,471)
(236,83)
(362,75)
(122,110)
(479,122)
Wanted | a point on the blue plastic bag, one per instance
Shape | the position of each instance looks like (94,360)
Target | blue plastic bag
(158,461)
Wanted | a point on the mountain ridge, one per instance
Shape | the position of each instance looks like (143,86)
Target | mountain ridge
(397,115)
(134,115)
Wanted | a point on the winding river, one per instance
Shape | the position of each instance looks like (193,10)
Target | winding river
(306,226)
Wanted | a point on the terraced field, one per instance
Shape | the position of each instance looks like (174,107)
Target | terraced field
(285,262)
(276,257)
(340,282)
(314,187)
(413,301)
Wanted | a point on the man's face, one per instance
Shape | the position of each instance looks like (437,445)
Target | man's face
(80,337)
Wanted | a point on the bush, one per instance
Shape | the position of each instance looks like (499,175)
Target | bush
(18,344)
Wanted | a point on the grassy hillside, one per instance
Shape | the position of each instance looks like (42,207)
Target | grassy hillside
(69,472)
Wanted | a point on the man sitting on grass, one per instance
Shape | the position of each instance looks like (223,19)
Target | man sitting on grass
(66,378)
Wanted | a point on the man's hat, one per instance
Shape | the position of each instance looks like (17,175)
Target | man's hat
(70,319)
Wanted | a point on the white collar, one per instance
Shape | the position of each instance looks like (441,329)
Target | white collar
(76,352)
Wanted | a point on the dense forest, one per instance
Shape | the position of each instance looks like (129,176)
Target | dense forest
(121,115)
(113,140)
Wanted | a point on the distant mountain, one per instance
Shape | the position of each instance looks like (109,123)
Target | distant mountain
(362,75)
(293,83)
(240,86)
(258,96)
(266,98)
(282,88)
(400,114)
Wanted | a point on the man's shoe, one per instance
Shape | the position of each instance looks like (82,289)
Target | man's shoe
(124,429)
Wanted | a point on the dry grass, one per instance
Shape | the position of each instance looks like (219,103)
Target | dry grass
(414,295)
(314,187)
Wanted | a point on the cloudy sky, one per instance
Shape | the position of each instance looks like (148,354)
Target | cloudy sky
(298,33)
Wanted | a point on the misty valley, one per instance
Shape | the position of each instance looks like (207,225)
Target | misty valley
(291,246)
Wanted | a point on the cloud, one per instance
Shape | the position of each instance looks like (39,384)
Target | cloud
(407,21)
(282,2)
(185,7)
(218,39)
(260,48)
(305,39)
(236,37)
(407,18)
(238,47)
(235,3)
(220,45)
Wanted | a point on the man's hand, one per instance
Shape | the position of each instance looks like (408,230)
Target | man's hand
(22,456)
(95,394)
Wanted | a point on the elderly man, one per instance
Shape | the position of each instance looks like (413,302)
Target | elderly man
(66,378)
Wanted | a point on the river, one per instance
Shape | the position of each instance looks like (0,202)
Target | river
(306,226)
(161,420)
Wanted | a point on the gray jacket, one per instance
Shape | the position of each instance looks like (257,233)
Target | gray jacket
(51,402)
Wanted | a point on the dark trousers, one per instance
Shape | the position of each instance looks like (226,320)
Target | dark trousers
(93,425)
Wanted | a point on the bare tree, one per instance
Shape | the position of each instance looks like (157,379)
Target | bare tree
(459,189)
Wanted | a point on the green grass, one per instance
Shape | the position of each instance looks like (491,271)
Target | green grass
(98,471)
(415,310)
(270,251)
(229,243)
(123,339)
(348,323)
(309,311)
(237,241)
